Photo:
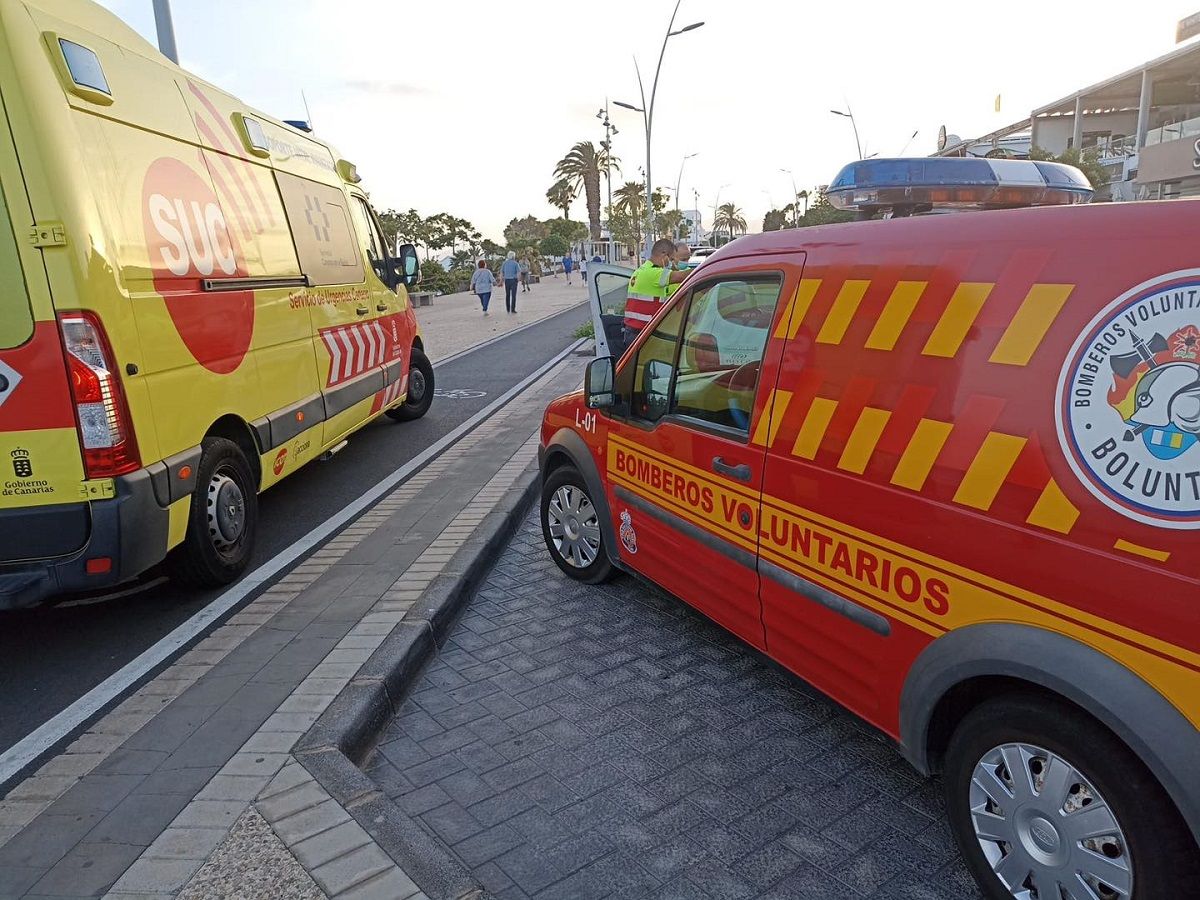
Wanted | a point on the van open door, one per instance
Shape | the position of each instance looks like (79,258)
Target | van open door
(608,286)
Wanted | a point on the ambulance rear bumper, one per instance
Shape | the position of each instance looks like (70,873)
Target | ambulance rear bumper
(130,530)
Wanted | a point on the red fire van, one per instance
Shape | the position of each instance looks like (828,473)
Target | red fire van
(946,468)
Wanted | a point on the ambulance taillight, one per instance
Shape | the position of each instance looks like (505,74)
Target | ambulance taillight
(105,427)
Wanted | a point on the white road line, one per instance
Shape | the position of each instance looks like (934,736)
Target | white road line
(507,334)
(27,750)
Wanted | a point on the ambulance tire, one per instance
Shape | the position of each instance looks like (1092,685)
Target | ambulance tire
(601,568)
(218,547)
(1158,844)
(420,390)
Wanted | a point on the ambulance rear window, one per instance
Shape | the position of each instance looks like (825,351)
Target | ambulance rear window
(16,318)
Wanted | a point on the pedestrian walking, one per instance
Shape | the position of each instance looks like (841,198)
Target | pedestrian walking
(568,265)
(525,275)
(583,269)
(482,282)
(510,271)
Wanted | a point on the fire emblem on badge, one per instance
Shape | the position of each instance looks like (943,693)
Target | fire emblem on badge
(628,535)
(1129,403)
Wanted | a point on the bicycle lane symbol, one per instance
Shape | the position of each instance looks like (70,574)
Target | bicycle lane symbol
(458,394)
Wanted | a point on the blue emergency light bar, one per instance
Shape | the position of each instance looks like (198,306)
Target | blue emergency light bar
(944,183)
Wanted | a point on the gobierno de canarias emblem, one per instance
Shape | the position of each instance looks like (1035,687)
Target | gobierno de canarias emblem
(1128,409)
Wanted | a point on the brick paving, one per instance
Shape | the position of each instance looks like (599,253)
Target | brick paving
(577,742)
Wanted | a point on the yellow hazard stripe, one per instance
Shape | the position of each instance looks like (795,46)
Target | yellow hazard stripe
(955,324)
(1037,313)
(772,417)
(797,308)
(921,453)
(1139,550)
(1053,511)
(989,470)
(812,432)
(841,314)
(863,438)
(895,315)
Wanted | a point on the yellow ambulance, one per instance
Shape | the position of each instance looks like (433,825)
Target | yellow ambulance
(195,301)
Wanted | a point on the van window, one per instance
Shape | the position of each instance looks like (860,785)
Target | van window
(320,221)
(652,371)
(16,318)
(722,350)
(614,291)
(369,236)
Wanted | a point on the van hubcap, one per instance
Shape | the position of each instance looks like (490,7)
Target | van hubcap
(226,510)
(416,386)
(1047,833)
(574,526)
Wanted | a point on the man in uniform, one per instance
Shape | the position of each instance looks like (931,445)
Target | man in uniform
(649,288)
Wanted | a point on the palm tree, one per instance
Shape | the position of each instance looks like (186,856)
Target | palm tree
(630,198)
(562,194)
(729,218)
(582,166)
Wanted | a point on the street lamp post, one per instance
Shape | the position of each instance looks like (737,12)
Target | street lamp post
(716,204)
(609,130)
(678,183)
(647,111)
(166,30)
(795,198)
(849,114)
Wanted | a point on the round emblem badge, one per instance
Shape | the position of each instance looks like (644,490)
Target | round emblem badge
(1128,408)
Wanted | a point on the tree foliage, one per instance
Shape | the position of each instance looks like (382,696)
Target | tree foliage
(776,220)
(524,231)
(729,219)
(570,231)
(441,231)
(562,194)
(582,167)
(555,245)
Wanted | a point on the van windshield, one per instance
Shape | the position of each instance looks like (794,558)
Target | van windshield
(16,318)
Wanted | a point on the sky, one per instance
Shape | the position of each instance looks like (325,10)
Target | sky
(464,106)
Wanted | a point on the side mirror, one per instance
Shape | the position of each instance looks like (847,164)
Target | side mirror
(598,390)
(408,266)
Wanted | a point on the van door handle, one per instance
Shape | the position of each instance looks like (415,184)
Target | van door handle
(381,307)
(741,473)
(362,310)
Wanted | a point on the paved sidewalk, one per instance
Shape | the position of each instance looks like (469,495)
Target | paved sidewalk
(455,323)
(188,787)
(573,742)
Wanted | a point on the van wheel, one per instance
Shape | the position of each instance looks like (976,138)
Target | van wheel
(420,390)
(223,520)
(571,527)
(1046,803)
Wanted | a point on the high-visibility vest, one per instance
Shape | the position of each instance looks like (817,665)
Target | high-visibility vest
(646,296)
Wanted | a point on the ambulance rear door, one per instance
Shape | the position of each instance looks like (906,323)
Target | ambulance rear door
(43,511)
(608,286)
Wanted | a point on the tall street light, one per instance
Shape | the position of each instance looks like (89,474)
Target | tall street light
(795,197)
(849,114)
(166,30)
(647,111)
(609,130)
(716,204)
(678,183)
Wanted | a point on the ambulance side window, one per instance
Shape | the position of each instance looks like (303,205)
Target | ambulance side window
(321,229)
(652,372)
(722,349)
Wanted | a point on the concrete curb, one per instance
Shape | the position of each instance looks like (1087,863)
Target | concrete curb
(340,740)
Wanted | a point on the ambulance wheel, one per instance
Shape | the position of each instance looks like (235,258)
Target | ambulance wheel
(420,390)
(1043,800)
(571,527)
(223,519)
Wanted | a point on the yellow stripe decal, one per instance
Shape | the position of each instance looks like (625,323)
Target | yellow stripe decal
(841,314)
(921,453)
(1139,550)
(863,439)
(1053,510)
(772,417)
(988,472)
(812,432)
(797,309)
(1024,334)
(895,315)
(954,325)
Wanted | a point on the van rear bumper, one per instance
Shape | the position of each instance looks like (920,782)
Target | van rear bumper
(130,529)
